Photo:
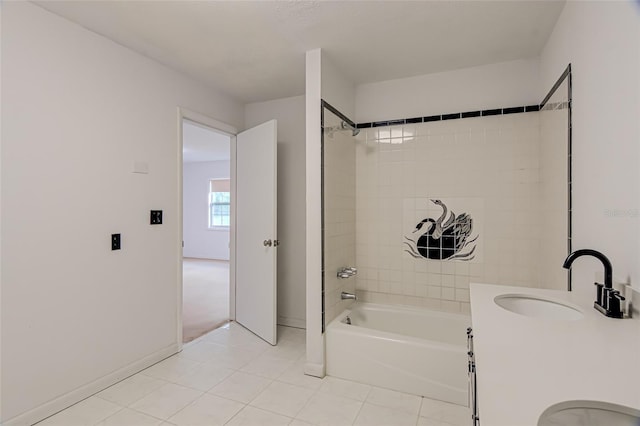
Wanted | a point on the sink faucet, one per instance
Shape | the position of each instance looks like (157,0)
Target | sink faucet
(607,299)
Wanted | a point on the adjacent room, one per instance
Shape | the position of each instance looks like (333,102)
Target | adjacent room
(206,198)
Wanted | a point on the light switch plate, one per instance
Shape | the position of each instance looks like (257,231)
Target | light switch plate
(156,217)
(115,241)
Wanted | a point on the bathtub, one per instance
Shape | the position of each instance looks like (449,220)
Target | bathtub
(416,351)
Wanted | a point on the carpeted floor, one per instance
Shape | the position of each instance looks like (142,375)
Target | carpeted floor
(205,296)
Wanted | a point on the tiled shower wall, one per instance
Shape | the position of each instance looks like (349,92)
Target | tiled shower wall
(554,191)
(487,167)
(339,215)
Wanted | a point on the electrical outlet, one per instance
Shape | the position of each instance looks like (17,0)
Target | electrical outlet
(156,217)
(115,241)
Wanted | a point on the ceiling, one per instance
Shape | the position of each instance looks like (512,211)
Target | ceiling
(254,50)
(201,143)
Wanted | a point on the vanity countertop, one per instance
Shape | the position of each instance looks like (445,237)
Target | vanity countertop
(524,364)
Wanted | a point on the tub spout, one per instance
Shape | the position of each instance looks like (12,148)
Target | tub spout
(344,295)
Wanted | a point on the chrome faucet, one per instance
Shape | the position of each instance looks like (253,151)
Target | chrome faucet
(344,295)
(347,272)
(607,299)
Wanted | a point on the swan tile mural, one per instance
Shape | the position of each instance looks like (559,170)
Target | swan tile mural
(449,236)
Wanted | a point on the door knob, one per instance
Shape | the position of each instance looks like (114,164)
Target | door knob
(267,243)
(276,243)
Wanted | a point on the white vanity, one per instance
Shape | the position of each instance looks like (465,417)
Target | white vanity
(534,349)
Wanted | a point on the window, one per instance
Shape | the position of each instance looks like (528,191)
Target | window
(219,203)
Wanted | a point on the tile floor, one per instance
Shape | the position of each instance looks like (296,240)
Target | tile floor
(231,377)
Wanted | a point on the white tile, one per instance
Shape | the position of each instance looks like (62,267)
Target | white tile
(462,295)
(448,293)
(236,335)
(295,375)
(286,349)
(166,401)
(448,268)
(445,412)
(131,389)
(171,368)
(268,366)
(434,292)
(235,357)
(395,400)
(129,417)
(324,409)
(283,398)
(449,306)
(345,388)
(201,351)
(425,421)
(208,410)
(465,308)
(292,334)
(448,280)
(251,416)
(242,387)
(434,279)
(298,422)
(85,413)
(204,377)
(375,415)
(462,282)
(462,268)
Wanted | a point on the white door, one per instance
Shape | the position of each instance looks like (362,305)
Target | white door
(256,231)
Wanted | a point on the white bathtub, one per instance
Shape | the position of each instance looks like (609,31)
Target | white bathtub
(416,351)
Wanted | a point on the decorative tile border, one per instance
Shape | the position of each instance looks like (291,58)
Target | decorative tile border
(550,106)
(453,116)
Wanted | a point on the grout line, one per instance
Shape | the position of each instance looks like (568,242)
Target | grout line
(109,416)
(359,411)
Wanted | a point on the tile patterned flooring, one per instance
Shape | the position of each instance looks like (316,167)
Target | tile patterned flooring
(231,377)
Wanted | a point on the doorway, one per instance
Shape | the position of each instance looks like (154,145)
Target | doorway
(206,216)
(252,238)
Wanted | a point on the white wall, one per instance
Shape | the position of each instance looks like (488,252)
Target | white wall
(337,89)
(291,202)
(313,184)
(77,110)
(200,241)
(499,85)
(323,81)
(601,40)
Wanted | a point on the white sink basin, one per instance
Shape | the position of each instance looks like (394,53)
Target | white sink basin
(589,413)
(537,307)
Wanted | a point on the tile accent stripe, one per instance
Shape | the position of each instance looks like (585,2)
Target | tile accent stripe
(454,116)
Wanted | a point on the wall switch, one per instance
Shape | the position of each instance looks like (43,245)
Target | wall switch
(156,217)
(115,241)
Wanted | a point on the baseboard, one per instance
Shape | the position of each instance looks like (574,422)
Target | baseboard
(292,322)
(205,258)
(316,370)
(60,403)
